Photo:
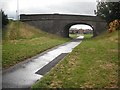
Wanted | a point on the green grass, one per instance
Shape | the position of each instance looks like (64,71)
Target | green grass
(88,36)
(76,35)
(73,36)
(24,42)
(92,64)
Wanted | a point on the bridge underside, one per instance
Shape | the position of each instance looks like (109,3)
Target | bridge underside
(60,24)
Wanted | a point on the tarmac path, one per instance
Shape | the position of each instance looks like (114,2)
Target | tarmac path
(26,73)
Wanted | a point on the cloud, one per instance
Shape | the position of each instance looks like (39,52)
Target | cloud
(74,7)
(85,7)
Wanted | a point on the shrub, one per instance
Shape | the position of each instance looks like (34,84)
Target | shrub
(114,25)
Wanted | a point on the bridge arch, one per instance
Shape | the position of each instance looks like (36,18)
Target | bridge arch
(67,27)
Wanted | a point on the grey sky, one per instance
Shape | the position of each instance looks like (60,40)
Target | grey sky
(80,7)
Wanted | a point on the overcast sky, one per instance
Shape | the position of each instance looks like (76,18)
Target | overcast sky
(80,7)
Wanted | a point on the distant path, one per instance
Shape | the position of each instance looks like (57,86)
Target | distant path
(26,73)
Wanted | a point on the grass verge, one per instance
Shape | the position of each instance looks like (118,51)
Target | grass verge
(24,42)
(92,64)
(73,35)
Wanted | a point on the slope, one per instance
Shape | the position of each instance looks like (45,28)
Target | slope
(22,41)
(92,64)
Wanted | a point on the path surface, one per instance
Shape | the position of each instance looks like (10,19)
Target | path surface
(26,73)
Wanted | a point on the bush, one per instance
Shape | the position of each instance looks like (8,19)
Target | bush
(114,25)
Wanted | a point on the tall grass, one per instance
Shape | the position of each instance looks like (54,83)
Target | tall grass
(24,42)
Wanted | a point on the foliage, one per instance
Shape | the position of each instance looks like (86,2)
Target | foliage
(108,10)
(4,19)
(114,25)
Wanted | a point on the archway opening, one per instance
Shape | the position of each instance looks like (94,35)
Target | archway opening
(80,30)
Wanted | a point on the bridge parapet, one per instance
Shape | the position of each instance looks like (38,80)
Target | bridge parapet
(32,17)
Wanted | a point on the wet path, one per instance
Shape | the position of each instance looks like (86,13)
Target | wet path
(26,73)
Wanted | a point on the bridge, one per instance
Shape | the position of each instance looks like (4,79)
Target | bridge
(60,23)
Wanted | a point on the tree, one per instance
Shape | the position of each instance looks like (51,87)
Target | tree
(4,19)
(108,10)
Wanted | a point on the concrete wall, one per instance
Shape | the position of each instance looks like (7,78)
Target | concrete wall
(60,23)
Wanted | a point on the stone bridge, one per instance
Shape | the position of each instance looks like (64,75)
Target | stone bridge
(60,23)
